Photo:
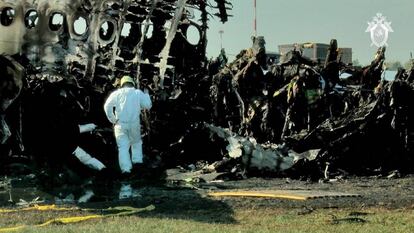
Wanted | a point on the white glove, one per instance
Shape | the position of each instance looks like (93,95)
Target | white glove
(87,128)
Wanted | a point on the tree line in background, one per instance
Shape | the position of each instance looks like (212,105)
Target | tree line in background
(391,65)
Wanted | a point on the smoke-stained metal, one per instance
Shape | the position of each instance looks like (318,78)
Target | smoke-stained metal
(61,58)
(84,37)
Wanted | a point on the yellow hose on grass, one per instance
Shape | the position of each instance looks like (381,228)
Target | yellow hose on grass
(125,210)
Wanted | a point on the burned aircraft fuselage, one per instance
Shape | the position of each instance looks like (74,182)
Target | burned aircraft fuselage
(73,51)
(100,39)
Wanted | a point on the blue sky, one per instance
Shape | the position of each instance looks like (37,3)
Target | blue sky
(284,22)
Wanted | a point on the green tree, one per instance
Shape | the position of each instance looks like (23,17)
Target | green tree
(356,62)
(393,65)
(409,64)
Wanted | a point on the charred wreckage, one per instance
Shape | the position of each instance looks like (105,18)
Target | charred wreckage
(61,59)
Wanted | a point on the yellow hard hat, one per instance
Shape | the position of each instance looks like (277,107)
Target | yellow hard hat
(127,79)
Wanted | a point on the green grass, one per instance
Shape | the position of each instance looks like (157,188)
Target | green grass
(240,220)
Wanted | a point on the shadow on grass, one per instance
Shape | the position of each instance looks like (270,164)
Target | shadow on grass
(170,201)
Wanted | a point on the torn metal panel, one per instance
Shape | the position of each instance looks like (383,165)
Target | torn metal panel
(4,130)
(223,6)
(11,81)
(190,177)
(139,47)
(264,157)
(170,36)
(11,84)
(88,160)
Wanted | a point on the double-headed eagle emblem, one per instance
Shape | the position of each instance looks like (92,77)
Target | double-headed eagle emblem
(379,29)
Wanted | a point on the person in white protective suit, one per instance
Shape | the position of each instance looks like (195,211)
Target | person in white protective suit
(123,108)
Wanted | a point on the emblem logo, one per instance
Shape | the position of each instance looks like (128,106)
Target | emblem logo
(379,29)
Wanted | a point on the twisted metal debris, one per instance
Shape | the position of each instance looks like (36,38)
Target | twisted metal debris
(296,116)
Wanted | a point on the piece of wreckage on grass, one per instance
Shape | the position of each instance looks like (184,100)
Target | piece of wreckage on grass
(72,52)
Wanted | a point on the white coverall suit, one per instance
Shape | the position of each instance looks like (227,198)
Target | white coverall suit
(127,102)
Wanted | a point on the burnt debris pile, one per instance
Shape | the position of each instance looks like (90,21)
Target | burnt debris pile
(60,61)
(300,118)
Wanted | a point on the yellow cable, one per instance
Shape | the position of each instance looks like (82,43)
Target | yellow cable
(70,220)
(125,210)
(258,194)
(8,229)
(39,208)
